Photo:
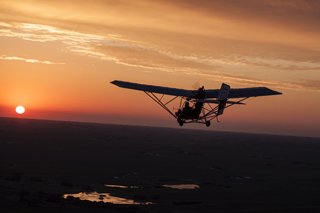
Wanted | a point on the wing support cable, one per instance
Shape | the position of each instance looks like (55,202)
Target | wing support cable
(237,102)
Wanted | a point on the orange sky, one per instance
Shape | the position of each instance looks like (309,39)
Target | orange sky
(58,57)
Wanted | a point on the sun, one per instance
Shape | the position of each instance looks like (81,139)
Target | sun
(20,109)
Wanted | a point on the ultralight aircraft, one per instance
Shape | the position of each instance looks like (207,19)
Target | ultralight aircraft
(197,106)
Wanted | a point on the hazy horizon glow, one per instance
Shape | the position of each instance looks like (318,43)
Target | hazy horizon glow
(57,59)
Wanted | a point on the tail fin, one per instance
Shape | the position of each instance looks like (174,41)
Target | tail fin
(223,97)
(224,92)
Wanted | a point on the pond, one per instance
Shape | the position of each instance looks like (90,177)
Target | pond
(104,197)
(181,186)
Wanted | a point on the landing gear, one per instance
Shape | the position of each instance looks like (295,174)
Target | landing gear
(208,123)
(180,122)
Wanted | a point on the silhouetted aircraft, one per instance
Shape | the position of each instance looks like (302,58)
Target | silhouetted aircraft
(198,106)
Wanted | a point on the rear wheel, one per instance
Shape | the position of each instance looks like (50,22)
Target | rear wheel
(208,123)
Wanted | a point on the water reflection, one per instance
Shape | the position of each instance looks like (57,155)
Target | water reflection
(121,186)
(104,197)
(181,186)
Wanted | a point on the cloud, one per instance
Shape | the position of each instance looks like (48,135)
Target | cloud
(81,43)
(310,84)
(300,84)
(110,47)
(75,41)
(279,63)
(28,60)
(294,22)
(150,56)
(298,14)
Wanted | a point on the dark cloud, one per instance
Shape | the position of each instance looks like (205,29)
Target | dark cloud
(299,14)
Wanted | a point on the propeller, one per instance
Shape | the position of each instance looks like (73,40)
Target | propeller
(196,85)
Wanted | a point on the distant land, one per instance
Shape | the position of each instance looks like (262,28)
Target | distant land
(152,169)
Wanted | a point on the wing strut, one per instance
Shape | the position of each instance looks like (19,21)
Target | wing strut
(159,101)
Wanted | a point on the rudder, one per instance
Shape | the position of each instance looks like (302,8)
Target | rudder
(223,97)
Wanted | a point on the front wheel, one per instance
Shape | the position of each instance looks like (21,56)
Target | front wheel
(180,122)
(208,123)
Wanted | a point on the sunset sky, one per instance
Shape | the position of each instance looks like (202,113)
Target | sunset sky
(58,57)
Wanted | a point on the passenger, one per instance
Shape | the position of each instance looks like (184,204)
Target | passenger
(197,110)
(187,110)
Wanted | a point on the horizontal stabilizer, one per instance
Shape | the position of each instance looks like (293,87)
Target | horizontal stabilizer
(214,101)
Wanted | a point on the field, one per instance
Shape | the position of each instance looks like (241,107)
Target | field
(232,172)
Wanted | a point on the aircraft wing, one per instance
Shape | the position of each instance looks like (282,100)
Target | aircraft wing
(154,89)
(244,92)
(233,93)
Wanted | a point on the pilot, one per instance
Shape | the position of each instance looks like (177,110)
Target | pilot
(187,110)
(201,93)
